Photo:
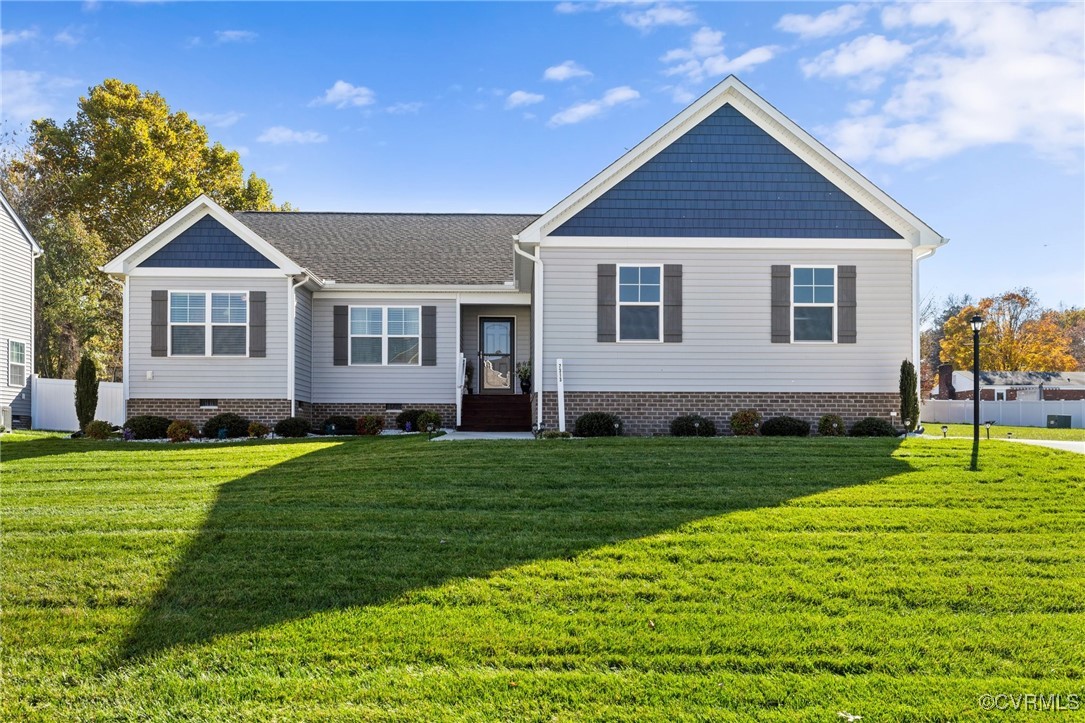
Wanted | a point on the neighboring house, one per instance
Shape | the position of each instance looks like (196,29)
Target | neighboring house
(1010,386)
(727,261)
(18,250)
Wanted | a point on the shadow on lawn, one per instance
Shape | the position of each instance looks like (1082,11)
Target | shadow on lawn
(365,521)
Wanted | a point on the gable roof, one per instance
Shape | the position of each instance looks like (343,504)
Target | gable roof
(764,116)
(395,248)
(34,247)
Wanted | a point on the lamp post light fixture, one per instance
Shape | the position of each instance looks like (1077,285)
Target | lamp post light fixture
(945,431)
(906,423)
(616,425)
(977,323)
(988,426)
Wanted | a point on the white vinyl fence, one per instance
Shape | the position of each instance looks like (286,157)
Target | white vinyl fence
(1009,414)
(52,404)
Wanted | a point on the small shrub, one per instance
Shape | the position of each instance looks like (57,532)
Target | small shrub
(97,429)
(556,434)
(234,424)
(148,426)
(86,390)
(339,424)
(428,419)
(182,430)
(598,424)
(292,427)
(745,422)
(259,430)
(371,425)
(873,427)
(785,427)
(693,425)
(412,416)
(831,425)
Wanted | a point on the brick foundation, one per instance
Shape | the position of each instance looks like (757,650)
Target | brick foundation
(268,411)
(319,411)
(647,413)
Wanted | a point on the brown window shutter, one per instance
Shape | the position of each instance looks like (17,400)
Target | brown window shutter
(160,324)
(781,304)
(845,305)
(258,323)
(606,306)
(672,303)
(341,335)
(429,336)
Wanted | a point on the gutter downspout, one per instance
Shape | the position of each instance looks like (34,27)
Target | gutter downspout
(916,333)
(291,362)
(536,314)
(124,343)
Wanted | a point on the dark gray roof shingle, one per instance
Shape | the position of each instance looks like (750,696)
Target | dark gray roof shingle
(395,248)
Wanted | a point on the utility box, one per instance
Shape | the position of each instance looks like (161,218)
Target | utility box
(1058,421)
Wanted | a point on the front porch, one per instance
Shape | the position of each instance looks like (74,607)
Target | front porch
(494,340)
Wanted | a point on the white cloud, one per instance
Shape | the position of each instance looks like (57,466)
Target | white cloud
(278,135)
(589,109)
(993,73)
(17,36)
(219,120)
(704,57)
(404,108)
(345,95)
(519,98)
(69,37)
(32,95)
(837,21)
(867,56)
(234,36)
(656,15)
(565,71)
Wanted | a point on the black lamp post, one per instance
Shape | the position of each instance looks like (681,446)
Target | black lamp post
(977,324)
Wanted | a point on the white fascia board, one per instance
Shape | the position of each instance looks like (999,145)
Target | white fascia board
(35,247)
(466,297)
(776,124)
(179,222)
(755,244)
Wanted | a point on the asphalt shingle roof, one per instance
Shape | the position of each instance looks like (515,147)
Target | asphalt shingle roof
(395,248)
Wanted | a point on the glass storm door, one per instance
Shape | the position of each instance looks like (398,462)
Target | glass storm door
(495,355)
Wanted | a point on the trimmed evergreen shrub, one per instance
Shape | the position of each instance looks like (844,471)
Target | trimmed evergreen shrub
(148,426)
(785,427)
(598,424)
(234,424)
(428,419)
(693,425)
(371,425)
(341,424)
(259,430)
(86,390)
(745,422)
(292,427)
(182,430)
(412,416)
(873,427)
(826,428)
(909,399)
(98,429)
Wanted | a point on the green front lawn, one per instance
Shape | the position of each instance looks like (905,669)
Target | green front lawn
(1000,432)
(629,579)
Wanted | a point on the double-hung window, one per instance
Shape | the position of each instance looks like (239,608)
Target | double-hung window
(640,303)
(385,335)
(813,303)
(193,332)
(16,363)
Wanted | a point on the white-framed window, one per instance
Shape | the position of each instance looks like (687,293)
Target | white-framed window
(209,323)
(813,303)
(16,363)
(640,303)
(385,335)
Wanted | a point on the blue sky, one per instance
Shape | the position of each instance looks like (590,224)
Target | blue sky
(971,115)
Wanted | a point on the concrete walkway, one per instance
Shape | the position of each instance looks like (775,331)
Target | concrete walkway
(1065,446)
(454,436)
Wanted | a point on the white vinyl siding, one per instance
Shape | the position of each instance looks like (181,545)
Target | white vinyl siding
(409,384)
(207,377)
(16,312)
(726,341)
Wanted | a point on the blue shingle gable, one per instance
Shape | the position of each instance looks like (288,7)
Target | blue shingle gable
(208,244)
(726,178)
